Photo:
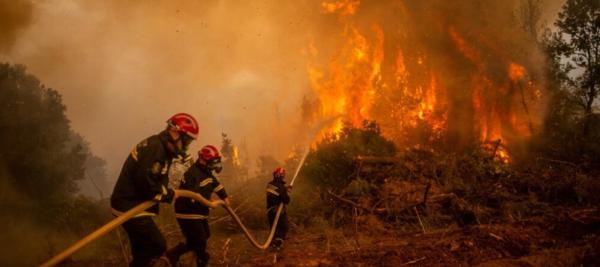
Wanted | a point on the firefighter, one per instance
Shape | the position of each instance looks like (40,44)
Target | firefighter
(192,216)
(277,192)
(144,177)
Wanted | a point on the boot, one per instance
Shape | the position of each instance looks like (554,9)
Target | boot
(202,260)
(277,244)
(175,252)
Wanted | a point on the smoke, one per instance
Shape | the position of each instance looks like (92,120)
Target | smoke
(123,67)
(29,240)
(15,16)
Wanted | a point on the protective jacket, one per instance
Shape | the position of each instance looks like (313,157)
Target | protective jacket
(144,176)
(200,180)
(276,193)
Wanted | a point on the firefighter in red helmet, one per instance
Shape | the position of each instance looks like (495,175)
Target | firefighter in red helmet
(277,193)
(191,215)
(144,177)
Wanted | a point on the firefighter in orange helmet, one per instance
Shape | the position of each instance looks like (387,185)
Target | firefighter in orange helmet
(144,177)
(277,193)
(191,215)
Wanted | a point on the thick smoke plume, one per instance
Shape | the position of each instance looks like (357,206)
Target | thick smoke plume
(14,17)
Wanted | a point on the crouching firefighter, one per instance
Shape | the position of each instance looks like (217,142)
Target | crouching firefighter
(277,192)
(144,177)
(192,216)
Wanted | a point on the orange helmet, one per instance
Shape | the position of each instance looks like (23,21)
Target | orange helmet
(279,172)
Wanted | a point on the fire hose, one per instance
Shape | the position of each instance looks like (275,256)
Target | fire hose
(181,193)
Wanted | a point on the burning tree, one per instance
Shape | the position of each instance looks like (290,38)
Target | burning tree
(232,166)
(430,79)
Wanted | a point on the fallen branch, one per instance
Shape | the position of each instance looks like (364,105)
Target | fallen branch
(413,261)
(586,216)
(496,146)
(419,217)
(558,161)
(350,202)
(422,203)
(496,236)
(372,210)
(525,105)
(425,194)
(371,159)
(440,197)
(225,250)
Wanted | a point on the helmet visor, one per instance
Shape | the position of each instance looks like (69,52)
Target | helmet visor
(215,165)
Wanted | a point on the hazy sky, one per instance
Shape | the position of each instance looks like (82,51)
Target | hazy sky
(123,67)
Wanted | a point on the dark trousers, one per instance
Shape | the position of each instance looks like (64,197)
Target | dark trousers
(147,243)
(282,225)
(196,233)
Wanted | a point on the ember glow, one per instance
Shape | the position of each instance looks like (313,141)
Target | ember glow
(441,80)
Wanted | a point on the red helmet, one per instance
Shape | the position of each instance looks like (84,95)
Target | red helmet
(209,153)
(184,123)
(279,172)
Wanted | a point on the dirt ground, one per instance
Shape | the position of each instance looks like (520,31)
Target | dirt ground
(550,240)
(541,241)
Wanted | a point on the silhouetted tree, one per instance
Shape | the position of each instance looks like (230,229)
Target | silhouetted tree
(575,48)
(40,158)
(95,182)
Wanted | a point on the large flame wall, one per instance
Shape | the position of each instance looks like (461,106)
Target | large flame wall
(440,72)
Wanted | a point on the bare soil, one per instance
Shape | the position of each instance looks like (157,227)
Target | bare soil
(555,240)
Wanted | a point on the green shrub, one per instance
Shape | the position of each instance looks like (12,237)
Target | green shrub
(331,164)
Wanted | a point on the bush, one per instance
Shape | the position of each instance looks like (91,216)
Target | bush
(331,163)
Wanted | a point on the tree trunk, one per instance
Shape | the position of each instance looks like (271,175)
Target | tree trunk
(589,109)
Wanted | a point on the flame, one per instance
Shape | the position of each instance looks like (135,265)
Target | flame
(343,8)
(235,156)
(353,80)
(469,52)
(502,155)
(404,89)
(425,96)
(488,116)
(348,90)
(516,72)
(428,100)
